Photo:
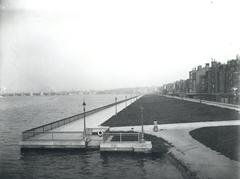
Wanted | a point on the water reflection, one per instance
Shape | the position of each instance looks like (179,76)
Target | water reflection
(75,163)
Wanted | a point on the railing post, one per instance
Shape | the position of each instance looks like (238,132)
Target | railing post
(120,137)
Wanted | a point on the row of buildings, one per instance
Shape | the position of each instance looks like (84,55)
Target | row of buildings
(215,81)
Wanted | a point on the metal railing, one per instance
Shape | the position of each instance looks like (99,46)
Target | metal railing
(62,135)
(54,136)
(122,137)
(46,127)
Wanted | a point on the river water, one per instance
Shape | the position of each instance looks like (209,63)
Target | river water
(20,113)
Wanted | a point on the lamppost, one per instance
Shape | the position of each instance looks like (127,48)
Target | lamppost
(126,101)
(116,106)
(84,119)
(142,135)
(235,91)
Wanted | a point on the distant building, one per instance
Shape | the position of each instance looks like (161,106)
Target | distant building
(192,81)
(218,82)
(222,76)
(201,81)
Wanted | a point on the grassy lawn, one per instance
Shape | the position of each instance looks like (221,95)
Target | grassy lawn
(168,110)
(224,139)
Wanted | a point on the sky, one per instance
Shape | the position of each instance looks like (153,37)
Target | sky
(75,44)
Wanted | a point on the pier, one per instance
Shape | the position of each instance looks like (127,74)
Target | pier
(69,132)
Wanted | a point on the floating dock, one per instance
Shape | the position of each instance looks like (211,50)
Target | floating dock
(125,141)
(127,146)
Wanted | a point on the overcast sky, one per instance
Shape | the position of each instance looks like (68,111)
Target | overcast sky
(74,44)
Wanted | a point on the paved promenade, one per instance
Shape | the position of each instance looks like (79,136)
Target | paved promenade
(211,103)
(92,121)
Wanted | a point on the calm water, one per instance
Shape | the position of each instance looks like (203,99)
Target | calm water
(21,113)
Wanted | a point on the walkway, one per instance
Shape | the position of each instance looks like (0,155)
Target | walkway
(212,103)
(201,160)
(74,130)
(92,121)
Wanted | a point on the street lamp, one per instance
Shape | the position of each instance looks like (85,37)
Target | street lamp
(115,105)
(126,101)
(235,90)
(142,136)
(84,119)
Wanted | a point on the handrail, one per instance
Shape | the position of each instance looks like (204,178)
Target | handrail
(51,136)
(60,132)
(49,126)
(107,135)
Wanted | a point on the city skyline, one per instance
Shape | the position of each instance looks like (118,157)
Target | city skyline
(106,45)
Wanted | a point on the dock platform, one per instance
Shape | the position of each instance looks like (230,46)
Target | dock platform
(127,146)
(66,139)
